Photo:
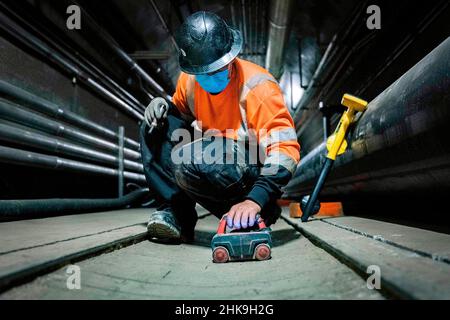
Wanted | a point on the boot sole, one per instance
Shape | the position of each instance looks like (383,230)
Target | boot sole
(162,231)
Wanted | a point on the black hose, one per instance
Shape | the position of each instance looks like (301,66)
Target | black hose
(14,210)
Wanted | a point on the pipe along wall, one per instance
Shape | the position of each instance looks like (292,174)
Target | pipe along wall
(24,128)
(399,146)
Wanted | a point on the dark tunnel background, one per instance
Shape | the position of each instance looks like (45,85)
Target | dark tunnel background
(364,62)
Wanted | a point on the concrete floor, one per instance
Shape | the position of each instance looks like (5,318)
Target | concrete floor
(148,270)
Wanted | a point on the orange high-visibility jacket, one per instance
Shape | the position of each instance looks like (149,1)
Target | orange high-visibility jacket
(252,101)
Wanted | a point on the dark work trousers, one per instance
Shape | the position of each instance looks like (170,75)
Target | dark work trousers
(214,172)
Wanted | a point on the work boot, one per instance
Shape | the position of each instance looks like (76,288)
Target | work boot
(163,225)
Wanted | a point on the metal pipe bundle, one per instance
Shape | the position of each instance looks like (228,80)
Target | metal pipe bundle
(32,159)
(37,45)
(134,67)
(399,145)
(16,135)
(14,113)
(41,105)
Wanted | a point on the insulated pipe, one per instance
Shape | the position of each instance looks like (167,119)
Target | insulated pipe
(399,145)
(16,135)
(14,113)
(279,25)
(14,210)
(41,105)
(32,159)
(15,31)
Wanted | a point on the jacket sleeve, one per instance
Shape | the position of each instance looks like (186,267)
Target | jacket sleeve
(179,99)
(268,115)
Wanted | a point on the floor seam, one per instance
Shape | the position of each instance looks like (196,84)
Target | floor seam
(379,238)
(83,236)
(389,290)
(69,239)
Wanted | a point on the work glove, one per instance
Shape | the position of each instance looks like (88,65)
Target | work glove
(156,110)
(243,215)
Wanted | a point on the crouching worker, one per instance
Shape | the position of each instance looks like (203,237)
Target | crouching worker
(203,149)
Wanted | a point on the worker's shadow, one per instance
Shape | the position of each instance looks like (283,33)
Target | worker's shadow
(279,237)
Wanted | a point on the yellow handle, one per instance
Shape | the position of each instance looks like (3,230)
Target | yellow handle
(336,144)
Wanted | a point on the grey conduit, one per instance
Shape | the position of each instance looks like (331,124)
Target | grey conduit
(13,210)
(14,30)
(16,135)
(14,113)
(134,67)
(78,59)
(41,105)
(32,159)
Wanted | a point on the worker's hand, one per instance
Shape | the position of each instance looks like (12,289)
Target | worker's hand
(156,110)
(243,215)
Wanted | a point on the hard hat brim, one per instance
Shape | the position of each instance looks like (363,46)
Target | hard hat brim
(236,48)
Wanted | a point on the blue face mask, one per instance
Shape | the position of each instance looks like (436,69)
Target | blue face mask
(213,83)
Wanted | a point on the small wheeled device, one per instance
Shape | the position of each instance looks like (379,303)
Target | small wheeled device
(241,246)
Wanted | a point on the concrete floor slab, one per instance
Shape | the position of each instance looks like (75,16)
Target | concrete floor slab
(404,272)
(428,243)
(149,270)
(19,235)
(33,247)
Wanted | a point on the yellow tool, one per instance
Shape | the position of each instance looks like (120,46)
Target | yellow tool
(336,145)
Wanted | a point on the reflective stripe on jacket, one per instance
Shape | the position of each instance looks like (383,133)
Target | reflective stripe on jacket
(252,102)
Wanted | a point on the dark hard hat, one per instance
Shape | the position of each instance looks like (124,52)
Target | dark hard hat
(206,43)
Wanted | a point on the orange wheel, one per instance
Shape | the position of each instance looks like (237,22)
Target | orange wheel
(220,255)
(262,252)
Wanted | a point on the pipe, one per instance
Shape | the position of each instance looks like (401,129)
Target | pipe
(399,144)
(32,159)
(338,47)
(49,108)
(15,210)
(279,25)
(16,135)
(109,40)
(16,114)
(17,32)
(163,23)
(113,86)
(312,88)
(244,25)
(121,162)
